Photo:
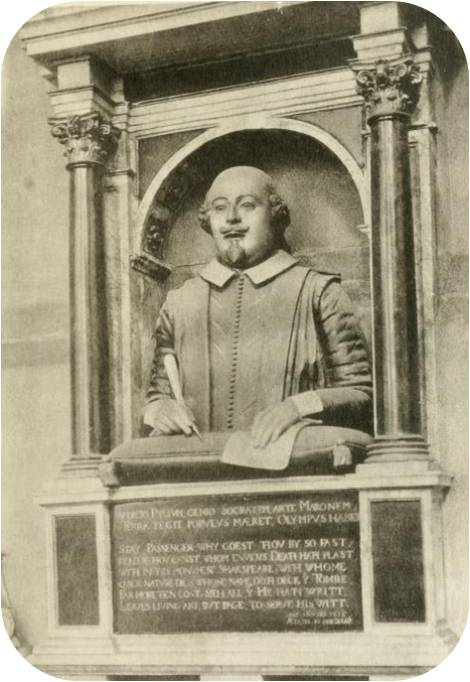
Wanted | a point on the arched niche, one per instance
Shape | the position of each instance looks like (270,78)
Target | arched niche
(321,182)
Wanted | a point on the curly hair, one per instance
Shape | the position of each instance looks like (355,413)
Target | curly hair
(279,214)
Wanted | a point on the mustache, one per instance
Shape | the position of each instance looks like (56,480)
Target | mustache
(233,231)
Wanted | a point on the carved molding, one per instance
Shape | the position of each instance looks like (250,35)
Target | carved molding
(87,138)
(389,87)
(290,96)
(150,267)
(165,206)
(155,233)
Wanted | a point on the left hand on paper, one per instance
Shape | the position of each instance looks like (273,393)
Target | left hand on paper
(272,422)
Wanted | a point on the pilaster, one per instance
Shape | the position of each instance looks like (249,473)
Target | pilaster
(120,207)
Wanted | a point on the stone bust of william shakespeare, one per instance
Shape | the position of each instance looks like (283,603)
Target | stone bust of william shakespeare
(259,342)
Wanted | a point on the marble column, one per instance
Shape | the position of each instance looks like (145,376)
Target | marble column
(391,90)
(89,141)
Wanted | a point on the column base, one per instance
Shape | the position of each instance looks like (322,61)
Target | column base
(404,455)
(81,466)
(402,448)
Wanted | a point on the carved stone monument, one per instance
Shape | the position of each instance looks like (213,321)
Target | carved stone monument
(166,554)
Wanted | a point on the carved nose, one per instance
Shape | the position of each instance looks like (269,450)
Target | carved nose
(232,216)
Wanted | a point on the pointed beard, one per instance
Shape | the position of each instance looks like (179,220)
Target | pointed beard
(234,256)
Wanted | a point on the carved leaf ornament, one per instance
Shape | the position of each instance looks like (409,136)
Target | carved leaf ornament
(86,138)
(390,87)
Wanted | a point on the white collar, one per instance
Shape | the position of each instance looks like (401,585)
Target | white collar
(218,274)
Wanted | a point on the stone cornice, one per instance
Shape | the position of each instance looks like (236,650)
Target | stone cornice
(51,36)
(389,86)
(288,96)
(87,139)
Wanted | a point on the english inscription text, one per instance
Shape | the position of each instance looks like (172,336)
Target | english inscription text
(273,563)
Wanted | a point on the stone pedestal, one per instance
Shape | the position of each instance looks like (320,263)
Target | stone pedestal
(304,575)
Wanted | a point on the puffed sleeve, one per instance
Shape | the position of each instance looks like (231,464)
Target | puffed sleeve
(347,393)
(159,386)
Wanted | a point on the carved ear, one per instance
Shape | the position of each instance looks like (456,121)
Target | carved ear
(203,218)
(280,213)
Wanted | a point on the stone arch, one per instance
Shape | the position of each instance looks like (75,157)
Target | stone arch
(173,247)
(173,182)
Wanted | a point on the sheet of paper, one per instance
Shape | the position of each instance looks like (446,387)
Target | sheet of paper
(275,456)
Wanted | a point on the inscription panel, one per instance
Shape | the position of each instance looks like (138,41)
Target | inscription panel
(237,563)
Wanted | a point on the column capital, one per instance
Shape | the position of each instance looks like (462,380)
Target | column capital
(87,138)
(389,87)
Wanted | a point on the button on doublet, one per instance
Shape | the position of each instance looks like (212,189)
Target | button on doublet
(235,352)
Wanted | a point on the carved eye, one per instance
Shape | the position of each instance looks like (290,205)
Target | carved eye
(248,205)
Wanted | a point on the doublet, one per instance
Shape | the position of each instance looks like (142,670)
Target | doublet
(245,340)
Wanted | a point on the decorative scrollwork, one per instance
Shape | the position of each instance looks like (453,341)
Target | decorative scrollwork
(154,237)
(389,87)
(156,230)
(87,138)
(174,189)
(150,267)
(177,185)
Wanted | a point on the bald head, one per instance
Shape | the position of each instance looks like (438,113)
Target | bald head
(244,215)
(245,178)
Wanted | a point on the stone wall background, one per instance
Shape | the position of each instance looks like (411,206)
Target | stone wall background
(35,377)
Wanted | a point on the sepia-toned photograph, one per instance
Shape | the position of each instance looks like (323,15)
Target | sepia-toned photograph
(235,340)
